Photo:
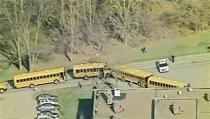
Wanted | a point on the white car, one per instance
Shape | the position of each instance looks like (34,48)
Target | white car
(46,97)
(52,102)
(162,66)
(47,107)
(46,116)
(54,115)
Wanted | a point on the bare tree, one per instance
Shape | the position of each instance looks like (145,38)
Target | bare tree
(19,14)
(15,44)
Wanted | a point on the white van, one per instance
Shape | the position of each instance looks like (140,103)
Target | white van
(162,66)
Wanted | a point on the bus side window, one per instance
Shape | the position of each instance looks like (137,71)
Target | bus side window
(156,83)
(101,69)
(164,85)
(150,82)
(91,70)
(18,81)
(88,70)
(48,76)
(58,74)
(30,79)
(77,71)
(61,74)
(130,75)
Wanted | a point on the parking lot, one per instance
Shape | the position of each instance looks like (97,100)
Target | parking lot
(195,73)
(22,102)
(19,105)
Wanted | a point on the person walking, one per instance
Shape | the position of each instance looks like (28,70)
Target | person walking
(143,50)
(172,58)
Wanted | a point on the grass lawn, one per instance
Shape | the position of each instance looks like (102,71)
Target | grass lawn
(180,46)
(7,72)
(74,101)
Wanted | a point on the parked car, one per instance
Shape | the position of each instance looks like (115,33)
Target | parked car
(162,66)
(54,115)
(46,97)
(52,102)
(54,111)
(47,107)
(46,116)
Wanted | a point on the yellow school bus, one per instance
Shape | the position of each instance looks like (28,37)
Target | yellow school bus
(3,87)
(130,74)
(158,82)
(31,79)
(87,70)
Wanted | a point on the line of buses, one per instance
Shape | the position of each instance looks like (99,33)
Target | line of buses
(122,72)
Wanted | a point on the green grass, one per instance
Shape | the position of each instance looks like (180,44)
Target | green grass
(180,46)
(73,101)
(7,72)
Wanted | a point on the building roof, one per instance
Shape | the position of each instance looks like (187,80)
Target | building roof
(139,104)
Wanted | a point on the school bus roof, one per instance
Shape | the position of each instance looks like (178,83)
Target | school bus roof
(3,84)
(167,81)
(89,65)
(39,73)
(132,70)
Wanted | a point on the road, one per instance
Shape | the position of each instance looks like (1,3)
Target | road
(197,73)
(193,70)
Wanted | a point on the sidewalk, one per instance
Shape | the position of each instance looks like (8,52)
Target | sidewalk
(178,61)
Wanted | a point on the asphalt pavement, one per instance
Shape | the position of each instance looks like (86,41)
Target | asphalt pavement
(196,58)
(192,69)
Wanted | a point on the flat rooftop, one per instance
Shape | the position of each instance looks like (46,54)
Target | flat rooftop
(154,104)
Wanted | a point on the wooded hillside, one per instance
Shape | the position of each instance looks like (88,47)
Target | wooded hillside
(33,29)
